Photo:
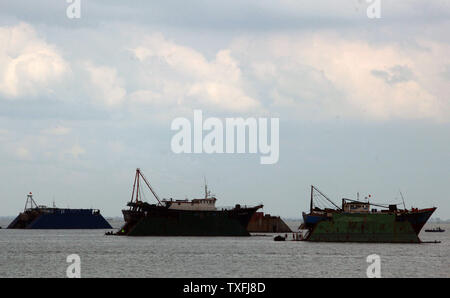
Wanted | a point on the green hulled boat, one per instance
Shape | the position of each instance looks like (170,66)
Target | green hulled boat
(197,217)
(362,221)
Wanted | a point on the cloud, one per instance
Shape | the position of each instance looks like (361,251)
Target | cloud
(22,146)
(394,75)
(317,75)
(182,75)
(28,64)
(323,74)
(43,148)
(108,86)
(302,61)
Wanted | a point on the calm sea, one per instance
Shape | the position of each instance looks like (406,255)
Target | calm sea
(41,253)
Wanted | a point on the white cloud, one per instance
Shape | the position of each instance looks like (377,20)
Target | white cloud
(183,76)
(108,86)
(313,76)
(148,97)
(28,64)
(316,76)
(330,75)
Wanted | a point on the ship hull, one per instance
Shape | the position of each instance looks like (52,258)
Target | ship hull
(60,219)
(161,221)
(264,223)
(376,228)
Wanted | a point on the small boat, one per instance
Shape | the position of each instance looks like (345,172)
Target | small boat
(435,230)
(279,238)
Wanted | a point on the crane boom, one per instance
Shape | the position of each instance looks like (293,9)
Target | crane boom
(136,186)
(329,200)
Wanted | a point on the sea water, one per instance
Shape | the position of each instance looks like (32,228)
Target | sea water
(43,253)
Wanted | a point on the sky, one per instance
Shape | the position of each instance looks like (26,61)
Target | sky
(363,103)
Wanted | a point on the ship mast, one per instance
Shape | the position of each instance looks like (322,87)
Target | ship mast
(207,193)
(30,202)
(136,187)
(403,200)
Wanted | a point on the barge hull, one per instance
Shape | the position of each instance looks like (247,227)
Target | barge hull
(265,223)
(166,222)
(60,219)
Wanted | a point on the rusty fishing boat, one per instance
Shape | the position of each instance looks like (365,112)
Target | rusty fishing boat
(196,217)
(362,221)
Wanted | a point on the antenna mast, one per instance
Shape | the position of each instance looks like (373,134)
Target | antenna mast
(403,200)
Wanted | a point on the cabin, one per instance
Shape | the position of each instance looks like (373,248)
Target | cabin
(355,207)
(206,204)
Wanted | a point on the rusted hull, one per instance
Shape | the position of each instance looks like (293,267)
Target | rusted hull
(265,223)
(161,221)
(370,227)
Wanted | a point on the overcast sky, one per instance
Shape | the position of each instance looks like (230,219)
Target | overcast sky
(363,103)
